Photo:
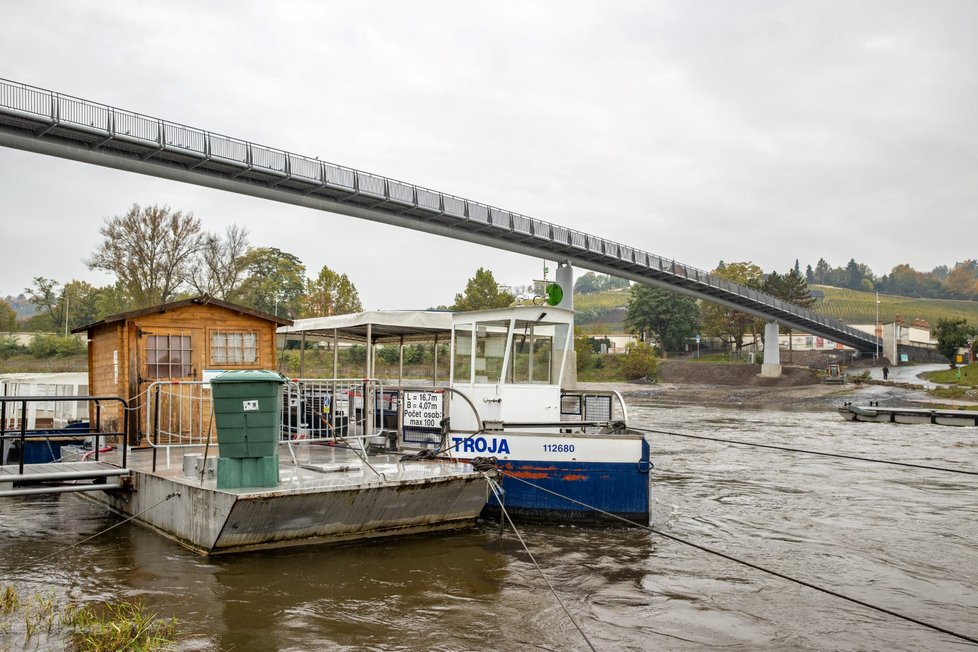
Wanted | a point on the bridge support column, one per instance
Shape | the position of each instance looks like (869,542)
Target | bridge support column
(772,351)
(565,279)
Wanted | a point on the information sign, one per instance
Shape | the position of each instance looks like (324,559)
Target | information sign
(422,409)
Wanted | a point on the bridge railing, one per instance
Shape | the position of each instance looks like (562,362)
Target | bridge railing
(49,110)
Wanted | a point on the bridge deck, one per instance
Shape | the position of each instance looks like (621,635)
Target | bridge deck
(49,123)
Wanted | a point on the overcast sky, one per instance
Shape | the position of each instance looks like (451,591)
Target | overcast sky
(735,130)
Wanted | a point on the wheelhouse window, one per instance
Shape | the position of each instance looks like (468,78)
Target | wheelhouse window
(490,350)
(462,367)
(168,356)
(234,348)
(537,352)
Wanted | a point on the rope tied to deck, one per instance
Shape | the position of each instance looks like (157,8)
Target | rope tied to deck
(758,567)
(87,539)
(496,488)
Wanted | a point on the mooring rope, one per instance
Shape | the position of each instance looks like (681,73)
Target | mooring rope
(808,452)
(493,485)
(32,562)
(789,578)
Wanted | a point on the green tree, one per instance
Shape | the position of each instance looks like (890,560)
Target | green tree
(726,323)
(809,275)
(81,303)
(330,294)
(822,270)
(48,299)
(8,317)
(275,283)
(951,335)
(790,287)
(671,318)
(149,250)
(587,283)
(854,275)
(482,293)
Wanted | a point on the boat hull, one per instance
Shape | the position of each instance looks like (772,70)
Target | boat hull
(579,478)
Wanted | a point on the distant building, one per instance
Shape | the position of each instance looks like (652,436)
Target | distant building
(617,342)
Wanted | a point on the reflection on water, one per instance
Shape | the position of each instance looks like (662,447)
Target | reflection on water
(901,538)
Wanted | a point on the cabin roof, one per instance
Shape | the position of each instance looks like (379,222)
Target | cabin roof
(385,325)
(198,300)
(390,326)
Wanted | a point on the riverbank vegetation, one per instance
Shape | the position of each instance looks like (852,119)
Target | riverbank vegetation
(41,622)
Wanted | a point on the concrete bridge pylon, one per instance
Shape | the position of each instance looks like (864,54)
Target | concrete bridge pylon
(771,368)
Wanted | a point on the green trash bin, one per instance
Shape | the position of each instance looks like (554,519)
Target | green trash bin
(248,418)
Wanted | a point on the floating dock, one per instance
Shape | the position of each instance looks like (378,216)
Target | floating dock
(332,495)
(876,414)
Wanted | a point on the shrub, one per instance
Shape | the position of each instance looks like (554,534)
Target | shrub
(44,345)
(9,346)
(639,361)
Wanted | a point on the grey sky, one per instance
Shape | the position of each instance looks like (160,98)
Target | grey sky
(734,130)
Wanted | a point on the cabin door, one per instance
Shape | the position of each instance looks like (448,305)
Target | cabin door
(167,355)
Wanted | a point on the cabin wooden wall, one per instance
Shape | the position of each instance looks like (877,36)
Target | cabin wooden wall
(129,338)
(108,373)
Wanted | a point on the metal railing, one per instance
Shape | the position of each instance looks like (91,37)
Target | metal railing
(316,409)
(24,435)
(48,114)
(590,406)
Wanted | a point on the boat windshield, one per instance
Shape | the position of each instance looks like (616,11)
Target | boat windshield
(510,351)
(532,358)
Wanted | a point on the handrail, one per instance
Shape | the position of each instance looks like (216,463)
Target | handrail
(310,175)
(23,433)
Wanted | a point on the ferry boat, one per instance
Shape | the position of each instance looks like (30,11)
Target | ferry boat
(563,454)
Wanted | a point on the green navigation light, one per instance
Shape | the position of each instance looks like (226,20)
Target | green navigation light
(555,294)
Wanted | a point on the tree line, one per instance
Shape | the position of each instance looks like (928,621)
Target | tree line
(672,319)
(957,282)
(157,255)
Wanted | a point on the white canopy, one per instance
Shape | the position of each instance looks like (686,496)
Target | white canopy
(390,326)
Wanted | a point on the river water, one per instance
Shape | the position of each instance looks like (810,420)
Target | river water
(901,538)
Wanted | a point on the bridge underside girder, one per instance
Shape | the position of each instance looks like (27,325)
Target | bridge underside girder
(37,121)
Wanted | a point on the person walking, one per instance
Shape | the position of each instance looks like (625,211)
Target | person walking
(886,373)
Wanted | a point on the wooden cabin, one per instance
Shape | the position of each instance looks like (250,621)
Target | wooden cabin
(183,340)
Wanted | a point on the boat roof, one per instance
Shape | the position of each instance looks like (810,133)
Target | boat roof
(385,325)
(393,326)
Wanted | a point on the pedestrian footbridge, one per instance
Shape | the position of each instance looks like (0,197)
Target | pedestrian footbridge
(46,122)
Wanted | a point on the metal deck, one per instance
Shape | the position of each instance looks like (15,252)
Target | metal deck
(60,477)
(41,121)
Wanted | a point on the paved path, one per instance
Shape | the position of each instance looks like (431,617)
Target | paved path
(907,373)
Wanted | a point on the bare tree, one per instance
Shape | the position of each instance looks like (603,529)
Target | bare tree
(220,264)
(149,250)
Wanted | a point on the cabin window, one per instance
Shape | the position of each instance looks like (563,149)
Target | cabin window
(532,354)
(168,356)
(490,350)
(462,369)
(230,348)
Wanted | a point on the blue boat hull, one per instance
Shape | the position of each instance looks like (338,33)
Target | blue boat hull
(603,489)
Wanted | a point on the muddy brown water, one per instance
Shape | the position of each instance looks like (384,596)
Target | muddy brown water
(902,538)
